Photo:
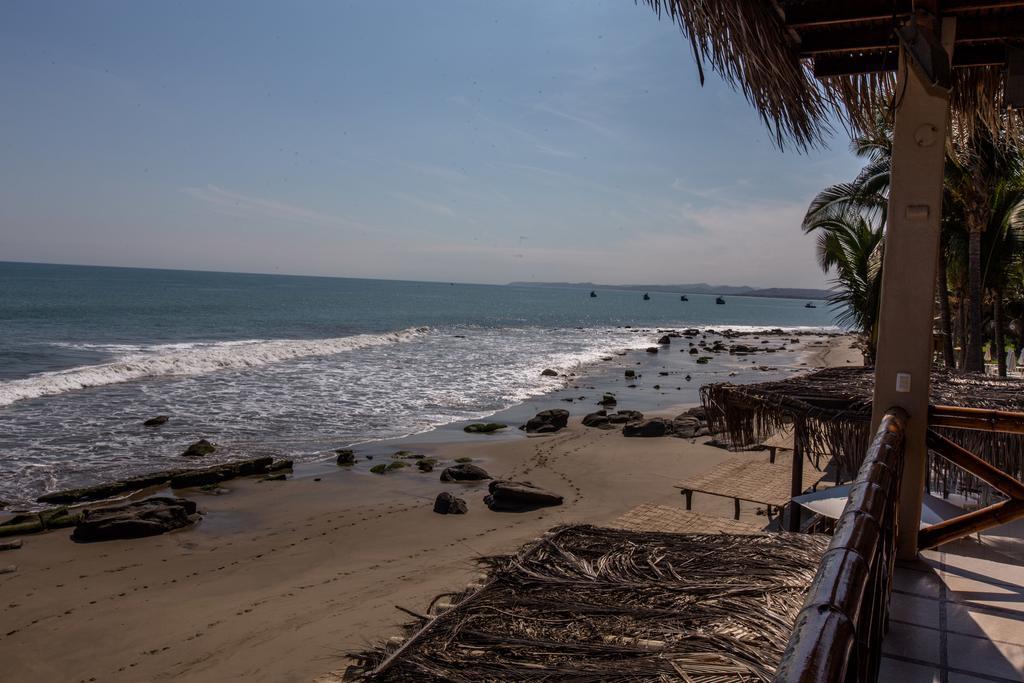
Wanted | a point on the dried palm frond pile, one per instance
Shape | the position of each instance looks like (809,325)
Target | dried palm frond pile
(830,412)
(587,603)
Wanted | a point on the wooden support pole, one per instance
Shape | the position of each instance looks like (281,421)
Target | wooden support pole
(796,480)
(689,498)
(904,355)
(736,511)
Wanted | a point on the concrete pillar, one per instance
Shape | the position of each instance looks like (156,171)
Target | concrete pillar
(904,357)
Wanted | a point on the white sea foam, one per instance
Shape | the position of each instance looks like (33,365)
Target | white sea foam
(189,359)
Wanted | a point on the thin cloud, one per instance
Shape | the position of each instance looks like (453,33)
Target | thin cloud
(242,205)
(435,206)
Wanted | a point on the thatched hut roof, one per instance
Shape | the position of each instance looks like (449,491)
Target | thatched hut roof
(832,408)
(801,62)
(587,603)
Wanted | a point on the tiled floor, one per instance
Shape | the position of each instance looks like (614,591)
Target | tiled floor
(957,616)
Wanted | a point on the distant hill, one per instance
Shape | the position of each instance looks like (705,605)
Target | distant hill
(694,288)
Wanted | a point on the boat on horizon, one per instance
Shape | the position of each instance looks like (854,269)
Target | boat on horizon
(684,298)
(809,304)
(720,301)
(593,294)
(647,297)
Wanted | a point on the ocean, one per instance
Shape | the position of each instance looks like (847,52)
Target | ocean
(289,365)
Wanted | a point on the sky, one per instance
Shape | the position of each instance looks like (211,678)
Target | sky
(452,140)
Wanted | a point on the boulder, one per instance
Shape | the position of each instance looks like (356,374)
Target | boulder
(607,400)
(199,449)
(280,476)
(694,351)
(598,419)
(11,545)
(141,518)
(652,349)
(665,341)
(685,426)
(346,456)
(656,426)
(447,504)
(425,465)
(156,421)
(630,374)
(548,372)
(484,427)
(279,465)
(547,421)
(624,416)
(379,469)
(518,496)
(464,472)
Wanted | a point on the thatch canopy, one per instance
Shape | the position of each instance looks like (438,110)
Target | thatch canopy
(831,410)
(587,603)
(801,62)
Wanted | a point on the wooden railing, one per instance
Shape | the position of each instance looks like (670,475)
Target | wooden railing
(1012,508)
(838,632)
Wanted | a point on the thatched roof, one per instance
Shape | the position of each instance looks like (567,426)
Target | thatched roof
(594,604)
(833,410)
(800,62)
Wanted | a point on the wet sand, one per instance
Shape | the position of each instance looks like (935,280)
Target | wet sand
(282,578)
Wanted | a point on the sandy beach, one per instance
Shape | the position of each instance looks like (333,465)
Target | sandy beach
(281,579)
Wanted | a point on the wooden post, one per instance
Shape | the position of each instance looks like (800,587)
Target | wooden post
(797,479)
(904,355)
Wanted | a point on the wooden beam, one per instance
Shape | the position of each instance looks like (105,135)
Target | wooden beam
(978,419)
(970,523)
(880,36)
(969,462)
(796,486)
(826,65)
(829,14)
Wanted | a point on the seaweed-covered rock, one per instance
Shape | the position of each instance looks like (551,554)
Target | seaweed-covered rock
(379,469)
(630,374)
(346,456)
(652,349)
(518,496)
(218,473)
(608,400)
(425,465)
(156,421)
(656,426)
(141,518)
(447,504)
(665,340)
(199,449)
(464,472)
(547,421)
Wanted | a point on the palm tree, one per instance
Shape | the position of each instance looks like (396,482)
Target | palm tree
(1002,247)
(850,245)
(982,167)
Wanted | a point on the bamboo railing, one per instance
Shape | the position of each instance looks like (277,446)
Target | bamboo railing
(838,632)
(952,417)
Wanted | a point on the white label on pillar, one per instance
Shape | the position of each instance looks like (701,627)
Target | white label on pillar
(903,382)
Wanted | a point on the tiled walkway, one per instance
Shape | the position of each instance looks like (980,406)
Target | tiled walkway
(957,616)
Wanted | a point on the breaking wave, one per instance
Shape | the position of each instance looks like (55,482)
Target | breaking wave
(182,360)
